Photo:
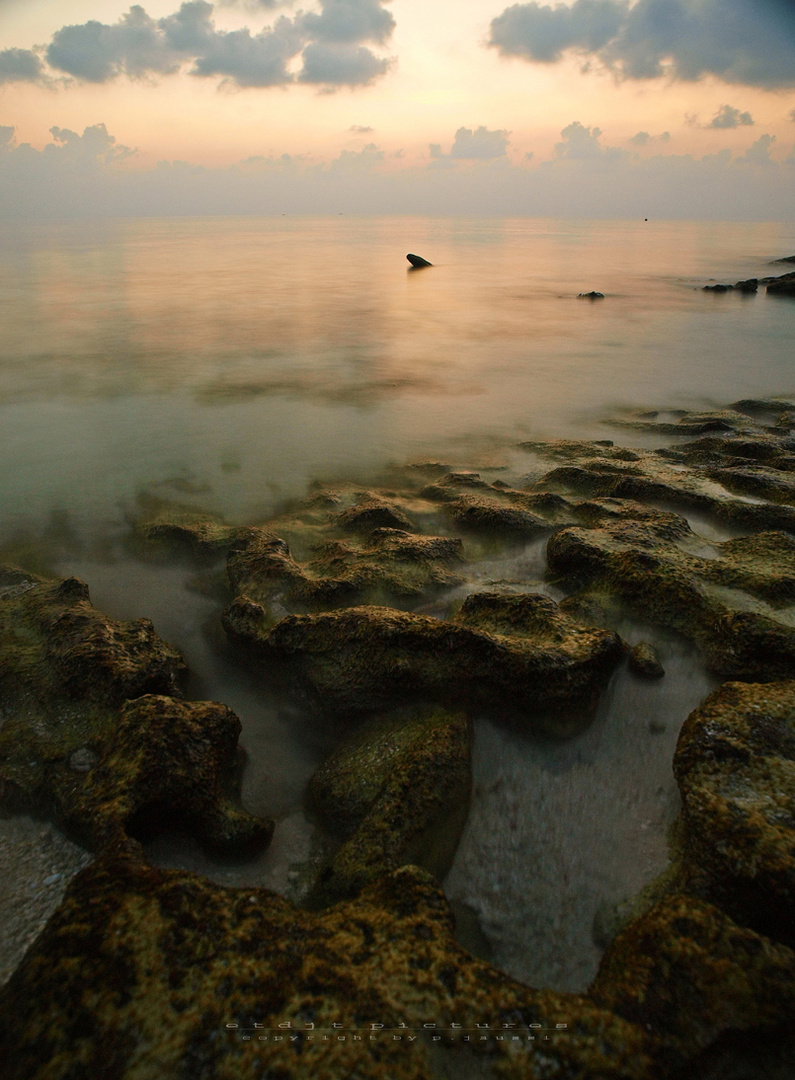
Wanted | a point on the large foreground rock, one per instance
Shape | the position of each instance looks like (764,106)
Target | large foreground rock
(141,972)
(502,653)
(735,766)
(698,982)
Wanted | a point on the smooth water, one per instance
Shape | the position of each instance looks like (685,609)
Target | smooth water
(228,362)
(247,356)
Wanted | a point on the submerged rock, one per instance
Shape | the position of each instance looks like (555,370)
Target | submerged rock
(145,972)
(93,733)
(501,653)
(171,528)
(697,982)
(396,792)
(735,766)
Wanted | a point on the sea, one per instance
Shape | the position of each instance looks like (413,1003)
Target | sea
(230,362)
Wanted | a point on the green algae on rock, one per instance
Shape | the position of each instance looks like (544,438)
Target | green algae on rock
(92,732)
(728,605)
(396,792)
(386,565)
(143,972)
(735,766)
(171,528)
(691,977)
(500,653)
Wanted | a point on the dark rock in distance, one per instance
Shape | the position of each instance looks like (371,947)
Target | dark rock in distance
(717,288)
(750,285)
(591,295)
(417,261)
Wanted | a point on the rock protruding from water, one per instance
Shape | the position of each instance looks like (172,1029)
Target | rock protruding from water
(94,732)
(501,652)
(418,262)
(396,792)
(644,660)
(735,766)
(593,295)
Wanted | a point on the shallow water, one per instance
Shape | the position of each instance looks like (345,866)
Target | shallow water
(226,363)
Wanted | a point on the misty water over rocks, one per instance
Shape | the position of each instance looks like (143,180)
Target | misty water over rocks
(227,364)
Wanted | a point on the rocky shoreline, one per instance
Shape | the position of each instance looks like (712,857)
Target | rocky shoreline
(370,606)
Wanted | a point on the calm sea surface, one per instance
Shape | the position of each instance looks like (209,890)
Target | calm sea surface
(248,356)
(228,362)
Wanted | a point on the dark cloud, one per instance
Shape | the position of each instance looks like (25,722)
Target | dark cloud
(329,43)
(349,21)
(740,41)
(6,135)
(729,117)
(341,65)
(95,52)
(641,138)
(20,65)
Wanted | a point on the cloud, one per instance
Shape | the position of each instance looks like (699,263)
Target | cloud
(641,138)
(478,144)
(341,65)
(581,143)
(348,21)
(729,117)
(759,152)
(792,115)
(85,176)
(736,40)
(329,43)
(20,65)
(360,129)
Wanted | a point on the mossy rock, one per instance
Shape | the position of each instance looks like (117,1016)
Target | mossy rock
(140,972)
(92,733)
(696,981)
(735,766)
(504,654)
(385,565)
(168,528)
(396,792)
(727,605)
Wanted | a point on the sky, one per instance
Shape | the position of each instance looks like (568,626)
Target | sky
(663,108)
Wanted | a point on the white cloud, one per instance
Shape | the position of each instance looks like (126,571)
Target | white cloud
(737,40)
(582,143)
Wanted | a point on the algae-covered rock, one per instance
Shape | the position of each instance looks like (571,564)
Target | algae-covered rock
(92,732)
(728,605)
(474,505)
(644,661)
(386,565)
(397,792)
(503,654)
(172,528)
(735,766)
(145,972)
(691,977)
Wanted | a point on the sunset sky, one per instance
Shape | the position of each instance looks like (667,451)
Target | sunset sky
(466,104)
